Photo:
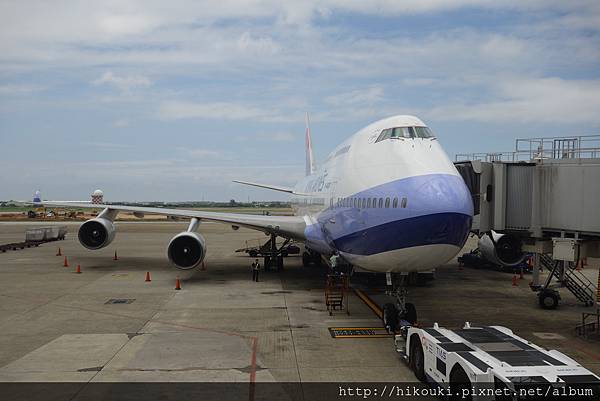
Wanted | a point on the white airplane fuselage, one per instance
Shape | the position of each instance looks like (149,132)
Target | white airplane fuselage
(394,205)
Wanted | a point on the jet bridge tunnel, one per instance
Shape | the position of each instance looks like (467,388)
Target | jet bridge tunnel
(546,193)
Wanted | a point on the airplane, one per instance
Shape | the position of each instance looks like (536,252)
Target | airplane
(388,200)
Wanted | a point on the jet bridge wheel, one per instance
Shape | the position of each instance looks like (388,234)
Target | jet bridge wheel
(548,299)
(417,358)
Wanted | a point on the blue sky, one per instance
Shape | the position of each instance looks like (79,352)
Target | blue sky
(153,100)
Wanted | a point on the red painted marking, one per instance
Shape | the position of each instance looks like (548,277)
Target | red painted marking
(583,350)
(253,368)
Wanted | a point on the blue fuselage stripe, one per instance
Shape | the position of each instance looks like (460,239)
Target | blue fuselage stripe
(441,228)
(437,210)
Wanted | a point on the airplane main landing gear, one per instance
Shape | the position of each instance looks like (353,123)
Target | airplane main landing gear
(311,257)
(397,314)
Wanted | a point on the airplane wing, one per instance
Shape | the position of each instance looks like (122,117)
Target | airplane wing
(285,226)
(273,187)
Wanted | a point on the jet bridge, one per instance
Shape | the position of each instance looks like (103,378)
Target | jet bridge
(546,194)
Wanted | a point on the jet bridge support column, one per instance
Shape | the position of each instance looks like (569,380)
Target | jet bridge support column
(535,272)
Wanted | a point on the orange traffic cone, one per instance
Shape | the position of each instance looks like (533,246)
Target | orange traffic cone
(115,258)
(59,253)
(578,265)
(78,270)
(66,262)
(148,276)
(514,281)
(177,284)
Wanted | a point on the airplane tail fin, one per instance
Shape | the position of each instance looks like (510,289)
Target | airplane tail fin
(310,164)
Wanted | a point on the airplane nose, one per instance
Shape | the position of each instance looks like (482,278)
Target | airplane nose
(444,193)
(445,203)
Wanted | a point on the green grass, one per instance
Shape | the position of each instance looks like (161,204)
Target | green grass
(247,210)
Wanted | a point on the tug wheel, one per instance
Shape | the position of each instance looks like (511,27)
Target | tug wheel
(417,358)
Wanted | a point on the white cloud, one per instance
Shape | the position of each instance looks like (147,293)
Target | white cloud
(543,100)
(127,24)
(121,123)
(19,89)
(124,83)
(204,153)
(257,44)
(175,110)
(279,136)
(366,96)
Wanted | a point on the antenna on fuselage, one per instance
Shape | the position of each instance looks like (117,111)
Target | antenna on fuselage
(310,163)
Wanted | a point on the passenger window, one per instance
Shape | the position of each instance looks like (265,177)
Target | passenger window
(380,203)
(364,203)
(404,202)
(387,203)
(395,202)
(368,203)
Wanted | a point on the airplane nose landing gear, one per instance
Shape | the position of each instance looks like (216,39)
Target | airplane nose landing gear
(400,313)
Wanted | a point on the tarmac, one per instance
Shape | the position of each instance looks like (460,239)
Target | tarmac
(57,326)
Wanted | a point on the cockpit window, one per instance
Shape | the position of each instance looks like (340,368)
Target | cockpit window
(423,132)
(405,132)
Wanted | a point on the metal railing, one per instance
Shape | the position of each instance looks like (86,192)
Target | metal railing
(539,149)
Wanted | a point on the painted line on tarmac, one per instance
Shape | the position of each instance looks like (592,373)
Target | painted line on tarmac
(369,302)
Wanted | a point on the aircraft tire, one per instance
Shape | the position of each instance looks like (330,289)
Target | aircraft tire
(306,259)
(390,317)
(410,315)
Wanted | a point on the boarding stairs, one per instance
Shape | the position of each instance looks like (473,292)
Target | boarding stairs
(336,292)
(572,279)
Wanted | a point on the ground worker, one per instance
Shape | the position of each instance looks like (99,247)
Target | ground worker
(255,270)
(333,260)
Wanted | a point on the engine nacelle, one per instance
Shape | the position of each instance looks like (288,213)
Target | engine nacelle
(186,250)
(501,249)
(96,233)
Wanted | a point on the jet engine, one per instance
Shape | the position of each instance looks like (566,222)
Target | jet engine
(186,250)
(96,233)
(501,249)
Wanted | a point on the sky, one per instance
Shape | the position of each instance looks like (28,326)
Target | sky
(171,101)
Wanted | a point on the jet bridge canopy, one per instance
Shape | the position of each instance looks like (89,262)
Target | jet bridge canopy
(547,188)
